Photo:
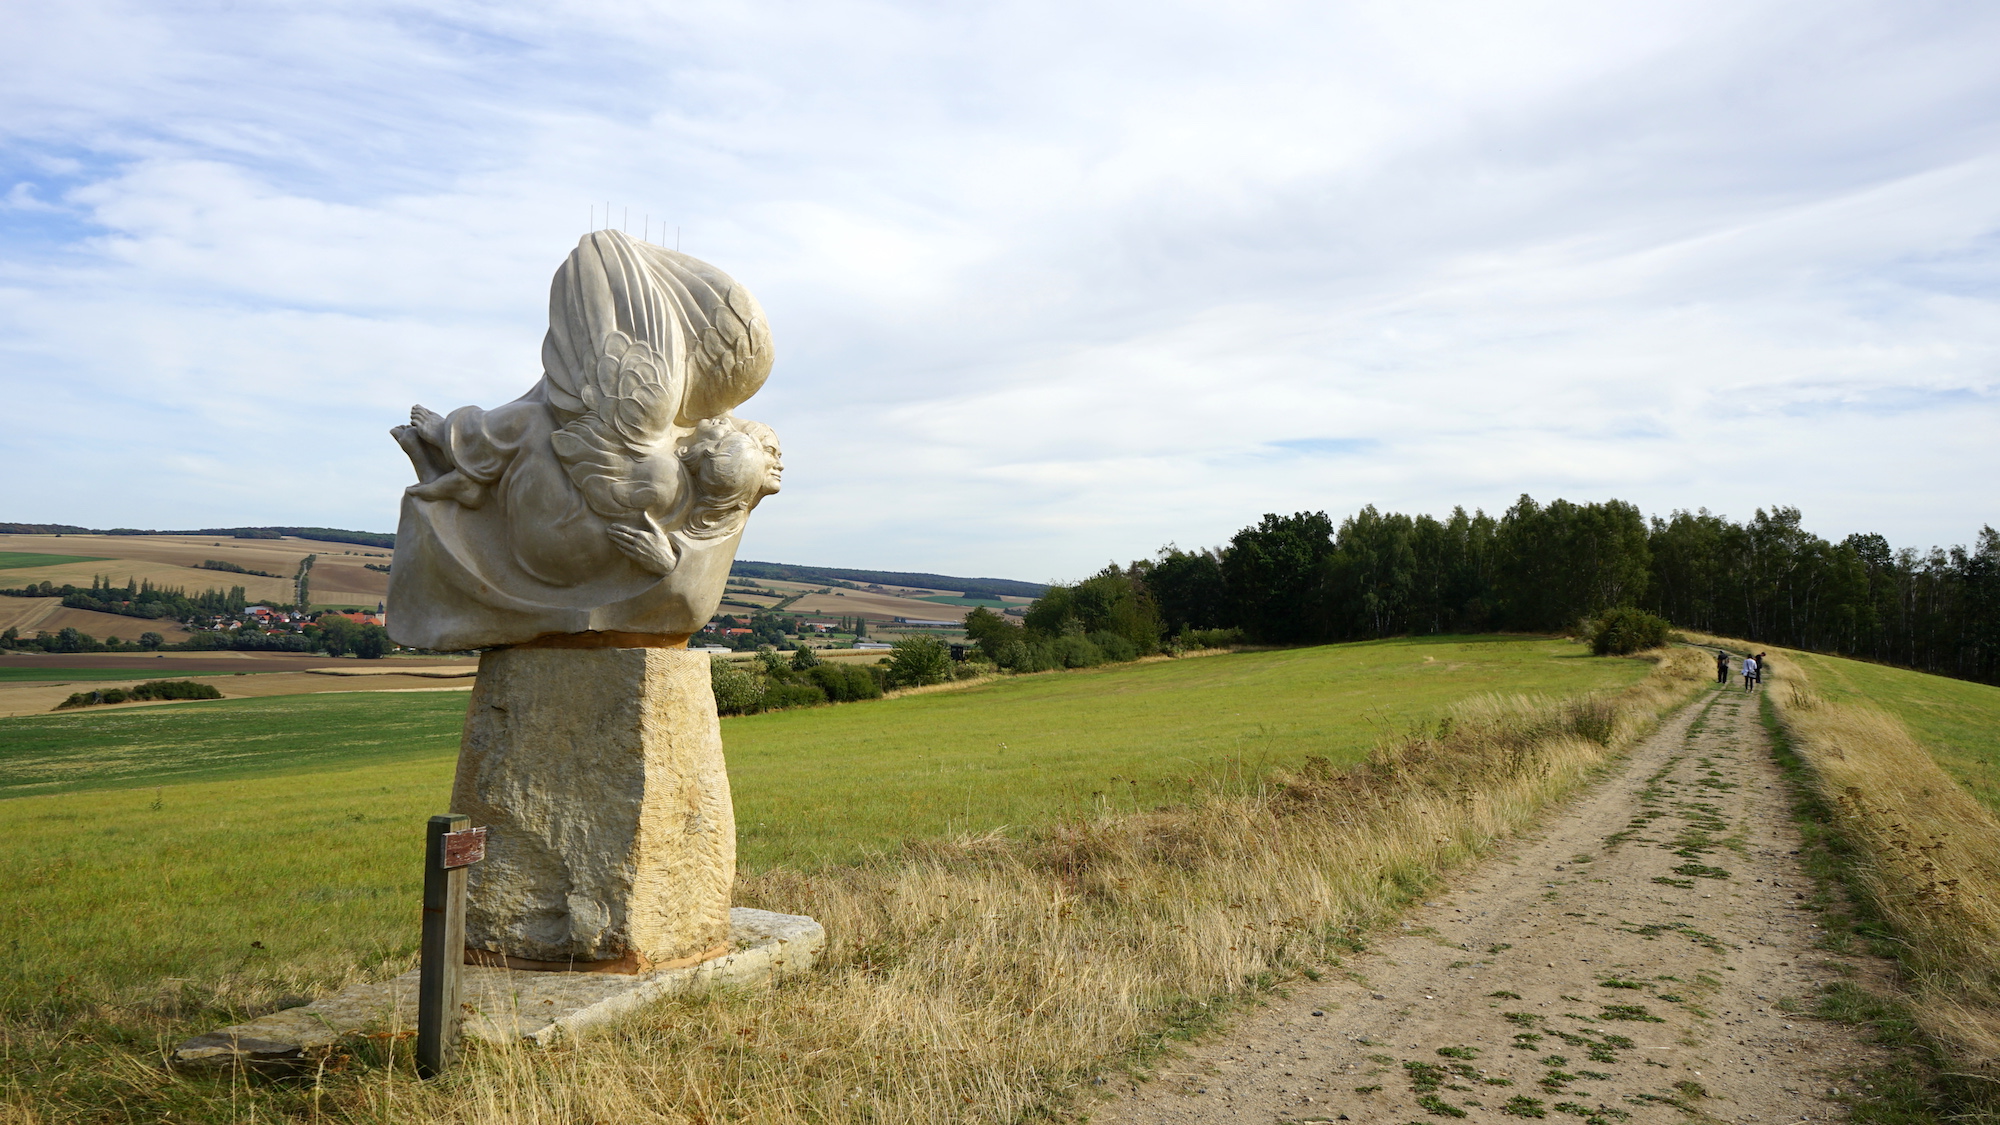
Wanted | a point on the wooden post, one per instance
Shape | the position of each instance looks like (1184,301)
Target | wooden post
(443,956)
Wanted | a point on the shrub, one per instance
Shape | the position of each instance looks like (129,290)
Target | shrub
(1010,654)
(916,661)
(737,692)
(804,658)
(845,683)
(1116,649)
(1626,630)
(1077,652)
(778,697)
(151,689)
(1209,638)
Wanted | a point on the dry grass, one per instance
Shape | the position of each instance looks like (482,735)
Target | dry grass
(992,978)
(1931,860)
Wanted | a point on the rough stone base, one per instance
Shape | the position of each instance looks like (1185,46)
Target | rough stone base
(598,774)
(509,1004)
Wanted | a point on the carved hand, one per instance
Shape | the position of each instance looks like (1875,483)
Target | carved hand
(645,546)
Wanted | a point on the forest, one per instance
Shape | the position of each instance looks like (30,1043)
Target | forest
(1535,568)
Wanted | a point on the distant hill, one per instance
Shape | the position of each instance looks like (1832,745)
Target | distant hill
(321,534)
(791,572)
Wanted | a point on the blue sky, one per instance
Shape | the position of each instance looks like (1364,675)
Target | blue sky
(1051,284)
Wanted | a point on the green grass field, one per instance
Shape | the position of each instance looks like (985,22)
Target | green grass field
(28,673)
(20,560)
(826,784)
(821,785)
(70,751)
(207,852)
(969,603)
(1959,721)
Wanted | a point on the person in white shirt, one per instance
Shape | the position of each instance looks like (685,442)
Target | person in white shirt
(1749,672)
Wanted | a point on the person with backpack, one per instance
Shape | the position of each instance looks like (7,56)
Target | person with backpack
(1721,667)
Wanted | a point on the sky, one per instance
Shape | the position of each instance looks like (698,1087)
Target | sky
(1051,284)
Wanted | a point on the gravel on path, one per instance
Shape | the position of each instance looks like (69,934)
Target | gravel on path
(1646,956)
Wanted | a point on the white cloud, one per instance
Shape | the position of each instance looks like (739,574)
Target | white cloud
(1051,284)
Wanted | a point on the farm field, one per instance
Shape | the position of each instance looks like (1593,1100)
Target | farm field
(1958,721)
(32,684)
(341,784)
(234,739)
(340,575)
(40,697)
(22,560)
(881,605)
(1018,750)
(824,784)
(36,615)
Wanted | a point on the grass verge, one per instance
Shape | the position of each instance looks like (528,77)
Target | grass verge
(1920,858)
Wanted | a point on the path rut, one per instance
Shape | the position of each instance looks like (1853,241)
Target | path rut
(1645,956)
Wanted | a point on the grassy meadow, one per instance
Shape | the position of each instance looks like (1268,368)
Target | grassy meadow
(828,784)
(203,861)
(236,739)
(1956,720)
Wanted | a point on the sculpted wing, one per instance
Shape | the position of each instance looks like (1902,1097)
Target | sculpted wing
(615,370)
(641,340)
(729,341)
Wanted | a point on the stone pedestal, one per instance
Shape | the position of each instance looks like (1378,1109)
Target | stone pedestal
(538,1008)
(611,840)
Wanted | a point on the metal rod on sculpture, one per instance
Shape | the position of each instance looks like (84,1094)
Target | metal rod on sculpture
(450,846)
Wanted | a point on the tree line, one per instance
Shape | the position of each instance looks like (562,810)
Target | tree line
(1534,568)
(321,534)
(138,599)
(332,634)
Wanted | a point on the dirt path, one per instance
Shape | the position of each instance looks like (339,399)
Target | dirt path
(1634,960)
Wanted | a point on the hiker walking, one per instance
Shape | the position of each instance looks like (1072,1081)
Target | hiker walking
(1760,668)
(1721,667)
(1749,672)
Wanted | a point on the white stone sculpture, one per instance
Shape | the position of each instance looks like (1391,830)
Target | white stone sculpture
(610,498)
(600,511)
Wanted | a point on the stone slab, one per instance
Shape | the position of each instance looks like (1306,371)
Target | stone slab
(509,1004)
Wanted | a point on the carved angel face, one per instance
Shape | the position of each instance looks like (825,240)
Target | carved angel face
(739,468)
(774,457)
